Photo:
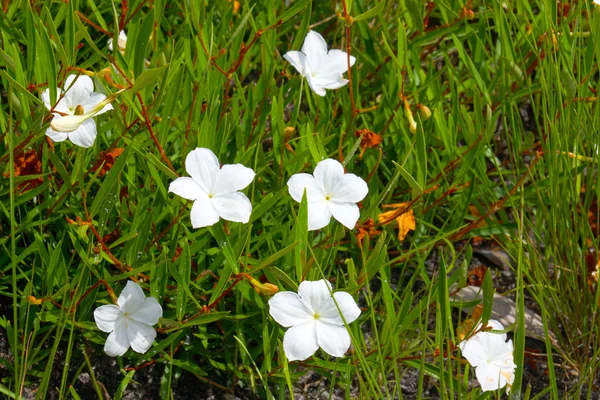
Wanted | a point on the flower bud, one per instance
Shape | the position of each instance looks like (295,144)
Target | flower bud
(266,289)
(33,301)
(424,111)
(68,123)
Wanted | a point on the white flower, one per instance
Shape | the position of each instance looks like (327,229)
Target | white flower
(129,323)
(596,3)
(322,69)
(492,357)
(329,192)
(74,111)
(214,189)
(313,319)
(121,42)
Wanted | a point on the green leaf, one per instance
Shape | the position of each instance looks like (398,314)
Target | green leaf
(148,78)
(488,297)
(110,181)
(293,10)
(373,12)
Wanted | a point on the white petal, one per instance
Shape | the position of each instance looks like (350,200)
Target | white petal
(489,377)
(148,313)
(46,98)
(346,304)
(316,295)
(328,173)
(131,298)
(300,341)
(203,166)
(78,89)
(316,85)
(298,182)
(231,178)
(92,101)
(318,215)
(110,44)
(334,339)
(85,135)
(296,58)
(141,336)
(335,83)
(505,360)
(349,189)
(346,213)
(60,106)
(117,342)
(315,49)
(233,207)
(203,213)
(106,317)
(335,64)
(288,309)
(187,188)
(473,351)
(56,136)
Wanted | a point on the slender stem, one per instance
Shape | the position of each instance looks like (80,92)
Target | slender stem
(13,255)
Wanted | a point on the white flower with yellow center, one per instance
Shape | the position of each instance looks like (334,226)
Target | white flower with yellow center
(322,69)
(492,357)
(314,319)
(214,189)
(130,322)
(74,111)
(330,192)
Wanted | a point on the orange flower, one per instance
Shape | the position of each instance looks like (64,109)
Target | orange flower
(28,163)
(369,139)
(405,218)
(107,160)
(368,228)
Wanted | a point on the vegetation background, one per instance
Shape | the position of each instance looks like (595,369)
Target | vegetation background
(504,174)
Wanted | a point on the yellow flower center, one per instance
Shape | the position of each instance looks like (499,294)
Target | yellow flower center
(316,316)
(79,110)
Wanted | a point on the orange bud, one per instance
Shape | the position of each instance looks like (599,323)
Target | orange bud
(266,289)
(33,301)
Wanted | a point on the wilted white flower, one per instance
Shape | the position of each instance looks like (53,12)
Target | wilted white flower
(74,111)
(214,189)
(322,69)
(329,192)
(313,319)
(492,357)
(121,42)
(130,322)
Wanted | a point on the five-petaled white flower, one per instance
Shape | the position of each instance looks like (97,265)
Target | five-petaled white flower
(214,189)
(74,111)
(121,42)
(322,69)
(492,357)
(130,322)
(329,192)
(314,319)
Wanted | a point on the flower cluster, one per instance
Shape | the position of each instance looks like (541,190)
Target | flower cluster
(315,316)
